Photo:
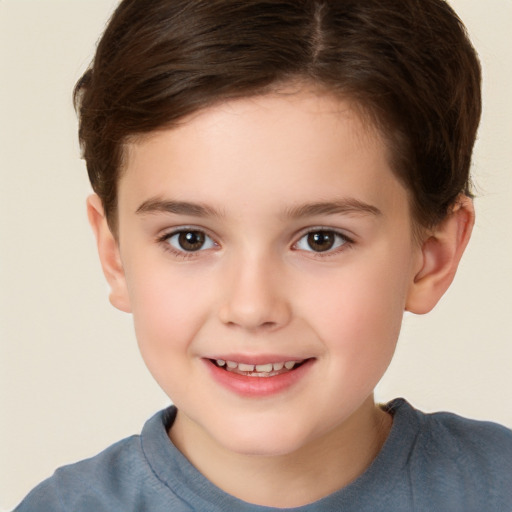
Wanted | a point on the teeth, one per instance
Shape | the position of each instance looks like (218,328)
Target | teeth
(263,367)
(260,368)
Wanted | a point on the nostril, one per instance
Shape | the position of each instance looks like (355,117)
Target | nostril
(253,326)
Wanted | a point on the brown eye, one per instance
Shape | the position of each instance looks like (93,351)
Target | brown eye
(322,240)
(190,240)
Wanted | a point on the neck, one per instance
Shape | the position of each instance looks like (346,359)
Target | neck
(314,471)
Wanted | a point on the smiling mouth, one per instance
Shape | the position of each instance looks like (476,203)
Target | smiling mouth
(258,370)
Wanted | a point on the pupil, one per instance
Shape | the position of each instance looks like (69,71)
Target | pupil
(321,241)
(191,240)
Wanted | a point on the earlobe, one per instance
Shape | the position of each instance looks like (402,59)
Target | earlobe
(440,256)
(108,251)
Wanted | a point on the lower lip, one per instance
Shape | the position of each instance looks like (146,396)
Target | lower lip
(258,387)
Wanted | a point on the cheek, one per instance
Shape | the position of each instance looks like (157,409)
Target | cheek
(166,320)
(357,299)
(167,313)
(358,316)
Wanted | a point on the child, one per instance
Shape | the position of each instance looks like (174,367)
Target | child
(276,183)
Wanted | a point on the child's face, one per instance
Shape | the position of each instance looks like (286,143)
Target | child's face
(264,231)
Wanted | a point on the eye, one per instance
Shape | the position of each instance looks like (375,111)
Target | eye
(189,240)
(321,240)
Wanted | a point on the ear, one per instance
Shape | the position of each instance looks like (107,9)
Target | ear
(108,250)
(440,256)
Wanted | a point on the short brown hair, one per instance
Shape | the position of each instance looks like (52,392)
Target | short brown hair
(408,63)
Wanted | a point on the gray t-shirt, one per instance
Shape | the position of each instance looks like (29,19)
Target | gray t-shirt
(430,462)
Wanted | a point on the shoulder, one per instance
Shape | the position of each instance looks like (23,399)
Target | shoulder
(482,442)
(91,484)
(463,457)
(117,476)
(484,438)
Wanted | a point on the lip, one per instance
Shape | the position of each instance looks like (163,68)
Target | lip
(258,387)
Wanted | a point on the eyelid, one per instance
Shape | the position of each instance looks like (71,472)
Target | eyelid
(167,232)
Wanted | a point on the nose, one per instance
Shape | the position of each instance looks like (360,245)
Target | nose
(255,296)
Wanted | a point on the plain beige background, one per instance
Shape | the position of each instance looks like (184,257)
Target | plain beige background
(71,380)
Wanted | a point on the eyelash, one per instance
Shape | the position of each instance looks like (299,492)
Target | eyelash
(343,241)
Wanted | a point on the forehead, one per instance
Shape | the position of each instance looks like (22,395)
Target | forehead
(288,145)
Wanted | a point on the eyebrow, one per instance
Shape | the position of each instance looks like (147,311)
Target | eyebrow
(339,207)
(156,205)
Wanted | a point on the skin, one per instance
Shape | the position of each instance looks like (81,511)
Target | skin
(258,291)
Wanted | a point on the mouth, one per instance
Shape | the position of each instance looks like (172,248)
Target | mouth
(259,377)
(270,369)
